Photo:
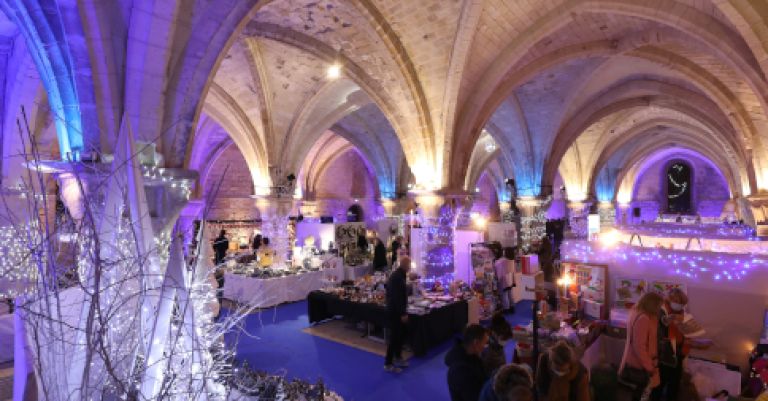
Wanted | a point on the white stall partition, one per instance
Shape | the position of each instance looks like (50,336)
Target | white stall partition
(462,263)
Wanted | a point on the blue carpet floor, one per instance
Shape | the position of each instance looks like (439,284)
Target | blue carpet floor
(273,341)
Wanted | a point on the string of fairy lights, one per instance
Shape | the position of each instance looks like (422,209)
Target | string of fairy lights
(690,264)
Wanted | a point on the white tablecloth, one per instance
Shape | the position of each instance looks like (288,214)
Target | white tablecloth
(263,293)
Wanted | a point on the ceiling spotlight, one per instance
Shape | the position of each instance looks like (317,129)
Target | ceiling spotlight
(334,71)
(490,146)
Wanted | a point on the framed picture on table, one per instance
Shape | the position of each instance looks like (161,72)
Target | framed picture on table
(590,281)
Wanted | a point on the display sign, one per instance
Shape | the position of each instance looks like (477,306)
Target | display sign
(589,281)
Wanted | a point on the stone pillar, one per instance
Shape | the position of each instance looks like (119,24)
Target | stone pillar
(577,218)
(77,187)
(389,206)
(168,191)
(274,224)
(533,219)
(622,214)
(429,205)
(607,214)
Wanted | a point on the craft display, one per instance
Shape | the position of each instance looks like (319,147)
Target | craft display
(555,326)
(485,283)
(587,286)
(252,284)
(345,239)
(254,385)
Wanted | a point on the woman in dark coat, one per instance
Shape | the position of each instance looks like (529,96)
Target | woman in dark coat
(379,256)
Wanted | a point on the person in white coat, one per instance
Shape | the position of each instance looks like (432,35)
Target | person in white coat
(505,274)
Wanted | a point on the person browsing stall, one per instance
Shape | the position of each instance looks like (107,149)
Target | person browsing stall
(505,273)
(397,316)
(500,332)
(509,383)
(256,244)
(466,374)
(560,376)
(639,369)
(379,256)
(220,246)
(673,348)
(396,244)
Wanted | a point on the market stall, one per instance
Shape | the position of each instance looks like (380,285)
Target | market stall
(265,287)
(428,326)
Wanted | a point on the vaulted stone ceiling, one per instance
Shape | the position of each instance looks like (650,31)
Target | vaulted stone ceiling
(559,85)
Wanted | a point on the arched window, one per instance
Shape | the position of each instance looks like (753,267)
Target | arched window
(679,188)
(354,214)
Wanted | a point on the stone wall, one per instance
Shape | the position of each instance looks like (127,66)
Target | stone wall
(233,200)
(709,192)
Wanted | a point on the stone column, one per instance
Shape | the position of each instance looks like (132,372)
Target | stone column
(274,224)
(76,186)
(622,214)
(389,206)
(607,214)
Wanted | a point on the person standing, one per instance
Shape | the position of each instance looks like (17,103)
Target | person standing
(266,253)
(379,256)
(466,374)
(397,316)
(256,244)
(547,266)
(560,376)
(672,346)
(220,246)
(500,332)
(509,383)
(362,244)
(638,369)
(505,273)
(396,244)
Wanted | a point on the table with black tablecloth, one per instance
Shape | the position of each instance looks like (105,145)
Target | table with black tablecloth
(424,331)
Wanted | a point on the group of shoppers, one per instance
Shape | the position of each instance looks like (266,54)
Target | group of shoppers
(560,376)
(652,365)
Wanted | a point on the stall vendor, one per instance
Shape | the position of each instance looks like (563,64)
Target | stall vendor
(266,253)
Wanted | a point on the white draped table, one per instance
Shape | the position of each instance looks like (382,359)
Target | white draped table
(267,292)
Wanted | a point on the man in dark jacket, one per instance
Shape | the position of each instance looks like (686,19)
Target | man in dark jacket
(220,246)
(396,244)
(466,374)
(379,256)
(397,316)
